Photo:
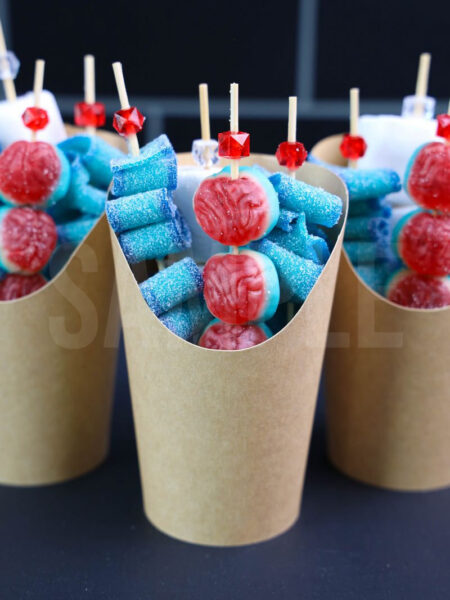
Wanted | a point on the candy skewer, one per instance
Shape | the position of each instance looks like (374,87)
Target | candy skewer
(89,86)
(422,83)
(291,154)
(132,140)
(38,84)
(8,82)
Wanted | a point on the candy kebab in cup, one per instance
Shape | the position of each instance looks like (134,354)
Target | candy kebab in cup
(291,154)
(89,113)
(236,207)
(205,154)
(422,238)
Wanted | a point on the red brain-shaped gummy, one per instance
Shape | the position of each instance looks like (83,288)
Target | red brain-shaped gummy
(419,291)
(16,286)
(429,177)
(28,238)
(29,173)
(233,212)
(234,288)
(424,244)
(224,336)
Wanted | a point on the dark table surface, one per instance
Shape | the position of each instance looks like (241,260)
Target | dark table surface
(89,539)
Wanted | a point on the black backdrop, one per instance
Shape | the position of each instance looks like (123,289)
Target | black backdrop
(316,48)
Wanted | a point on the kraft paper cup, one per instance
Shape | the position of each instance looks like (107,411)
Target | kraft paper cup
(387,383)
(222,436)
(58,350)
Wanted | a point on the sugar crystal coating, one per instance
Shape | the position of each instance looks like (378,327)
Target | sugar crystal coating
(418,291)
(187,319)
(75,231)
(178,283)
(130,212)
(319,206)
(156,240)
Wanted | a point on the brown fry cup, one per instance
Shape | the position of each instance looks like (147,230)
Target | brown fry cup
(387,382)
(222,436)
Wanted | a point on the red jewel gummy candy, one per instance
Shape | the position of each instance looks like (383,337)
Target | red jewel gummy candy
(291,154)
(234,145)
(89,115)
(128,121)
(428,176)
(224,336)
(353,146)
(16,286)
(443,128)
(424,243)
(419,291)
(35,118)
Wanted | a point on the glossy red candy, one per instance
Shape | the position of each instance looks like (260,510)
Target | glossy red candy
(234,288)
(353,146)
(16,286)
(419,291)
(224,336)
(128,121)
(28,238)
(234,145)
(443,128)
(35,118)
(291,154)
(89,115)
(29,173)
(428,177)
(424,243)
(233,212)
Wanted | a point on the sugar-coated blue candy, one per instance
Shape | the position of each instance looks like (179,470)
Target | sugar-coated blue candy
(319,206)
(181,281)
(297,275)
(154,168)
(96,156)
(363,184)
(156,240)
(75,231)
(377,207)
(368,228)
(363,252)
(320,248)
(297,241)
(375,276)
(287,220)
(81,195)
(187,319)
(130,212)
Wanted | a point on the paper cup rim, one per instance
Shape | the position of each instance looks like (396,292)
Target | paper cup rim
(336,245)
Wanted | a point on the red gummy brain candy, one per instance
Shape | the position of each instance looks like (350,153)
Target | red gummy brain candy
(424,244)
(28,238)
(234,288)
(233,212)
(16,286)
(419,291)
(224,336)
(429,177)
(29,173)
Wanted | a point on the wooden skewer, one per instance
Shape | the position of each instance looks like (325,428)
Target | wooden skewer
(89,85)
(204,112)
(123,99)
(8,83)
(292,125)
(422,83)
(234,123)
(39,68)
(354,115)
